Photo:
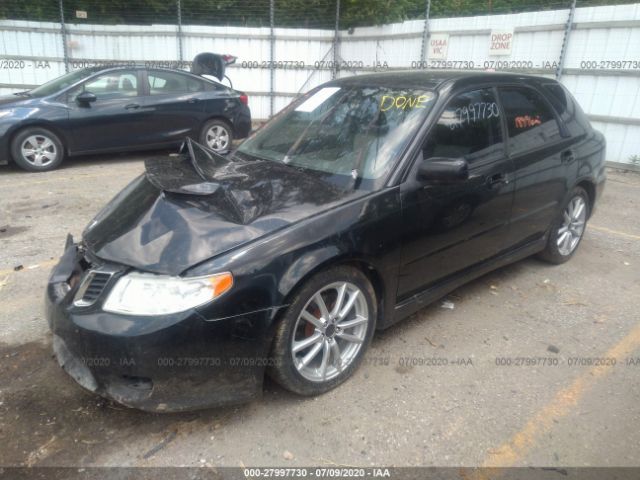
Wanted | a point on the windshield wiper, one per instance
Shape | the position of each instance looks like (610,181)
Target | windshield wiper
(23,94)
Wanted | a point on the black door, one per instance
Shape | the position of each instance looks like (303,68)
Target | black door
(115,120)
(451,226)
(176,101)
(541,157)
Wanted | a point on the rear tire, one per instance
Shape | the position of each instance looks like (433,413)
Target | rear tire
(217,135)
(568,228)
(37,149)
(312,354)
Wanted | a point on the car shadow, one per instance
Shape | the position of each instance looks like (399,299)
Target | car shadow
(478,286)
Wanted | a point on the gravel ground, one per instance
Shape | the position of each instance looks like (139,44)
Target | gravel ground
(463,409)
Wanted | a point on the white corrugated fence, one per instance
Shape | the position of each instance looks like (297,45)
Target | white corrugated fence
(601,65)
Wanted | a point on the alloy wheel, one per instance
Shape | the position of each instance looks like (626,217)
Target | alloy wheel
(39,150)
(330,331)
(217,138)
(572,228)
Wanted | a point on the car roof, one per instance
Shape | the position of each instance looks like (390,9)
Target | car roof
(99,69)
(132,65)
(436,79)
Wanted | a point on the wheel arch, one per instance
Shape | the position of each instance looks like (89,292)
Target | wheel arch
(222,118)
(299,272)
(589,187)
(38,124)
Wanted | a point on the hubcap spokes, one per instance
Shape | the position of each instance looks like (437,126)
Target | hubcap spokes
(38,150)
(572,228)
(217,138)
(330,331)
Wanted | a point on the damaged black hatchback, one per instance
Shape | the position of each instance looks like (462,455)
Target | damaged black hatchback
(353,208)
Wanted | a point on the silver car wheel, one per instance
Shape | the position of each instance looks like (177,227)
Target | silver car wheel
(573,223)
(39,150)
(217,138)
(330,331)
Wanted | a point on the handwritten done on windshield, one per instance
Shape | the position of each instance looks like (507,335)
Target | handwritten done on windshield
(387,102)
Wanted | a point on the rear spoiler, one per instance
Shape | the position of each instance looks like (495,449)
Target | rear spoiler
(212,64)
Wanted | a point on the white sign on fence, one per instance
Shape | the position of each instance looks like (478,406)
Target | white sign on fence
(438,46)
(501,42)
(81,14)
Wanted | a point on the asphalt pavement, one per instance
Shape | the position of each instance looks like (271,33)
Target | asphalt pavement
(530,365)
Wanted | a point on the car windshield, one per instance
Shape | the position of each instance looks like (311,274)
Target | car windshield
(354,132)
(60,83)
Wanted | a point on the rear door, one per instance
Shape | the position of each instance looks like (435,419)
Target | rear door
(175,100)
(540,150)
(451,226)
(115,120)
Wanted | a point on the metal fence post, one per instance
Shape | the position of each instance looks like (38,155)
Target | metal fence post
(334,68)
(63,31)
(272,65)
(180,54)
(425,32)
(565,40)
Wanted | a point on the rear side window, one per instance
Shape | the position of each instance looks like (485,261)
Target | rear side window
(164,83)
(567,108)
(468,128)
(530,121)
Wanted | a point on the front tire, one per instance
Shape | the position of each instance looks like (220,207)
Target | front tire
(217,135)
(325,332)
(568,228)
(37,149)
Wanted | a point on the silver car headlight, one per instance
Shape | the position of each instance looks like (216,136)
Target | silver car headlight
(149,294)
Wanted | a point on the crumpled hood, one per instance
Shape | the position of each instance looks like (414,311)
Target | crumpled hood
(190,207)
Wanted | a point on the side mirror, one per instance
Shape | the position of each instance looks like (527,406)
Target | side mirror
(445,170)
(85,98)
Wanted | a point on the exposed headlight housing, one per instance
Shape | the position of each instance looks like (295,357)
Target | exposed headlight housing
(149,294)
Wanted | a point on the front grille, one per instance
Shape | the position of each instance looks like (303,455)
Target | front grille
(92,286)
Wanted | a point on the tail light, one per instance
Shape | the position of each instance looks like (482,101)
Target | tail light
(244,98)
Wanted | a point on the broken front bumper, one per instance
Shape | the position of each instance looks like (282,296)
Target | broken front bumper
(166,363)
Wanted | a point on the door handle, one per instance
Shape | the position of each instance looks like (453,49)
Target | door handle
(132,106)
(567,156)
(497,179)
(193,100)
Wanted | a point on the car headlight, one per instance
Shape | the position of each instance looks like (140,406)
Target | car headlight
(148,294)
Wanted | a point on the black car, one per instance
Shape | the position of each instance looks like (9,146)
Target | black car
(98,110)
(353,208)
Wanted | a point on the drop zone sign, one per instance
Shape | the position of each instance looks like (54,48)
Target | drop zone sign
(501,42)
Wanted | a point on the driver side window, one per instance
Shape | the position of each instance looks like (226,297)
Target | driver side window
(469,128)
(110,85)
